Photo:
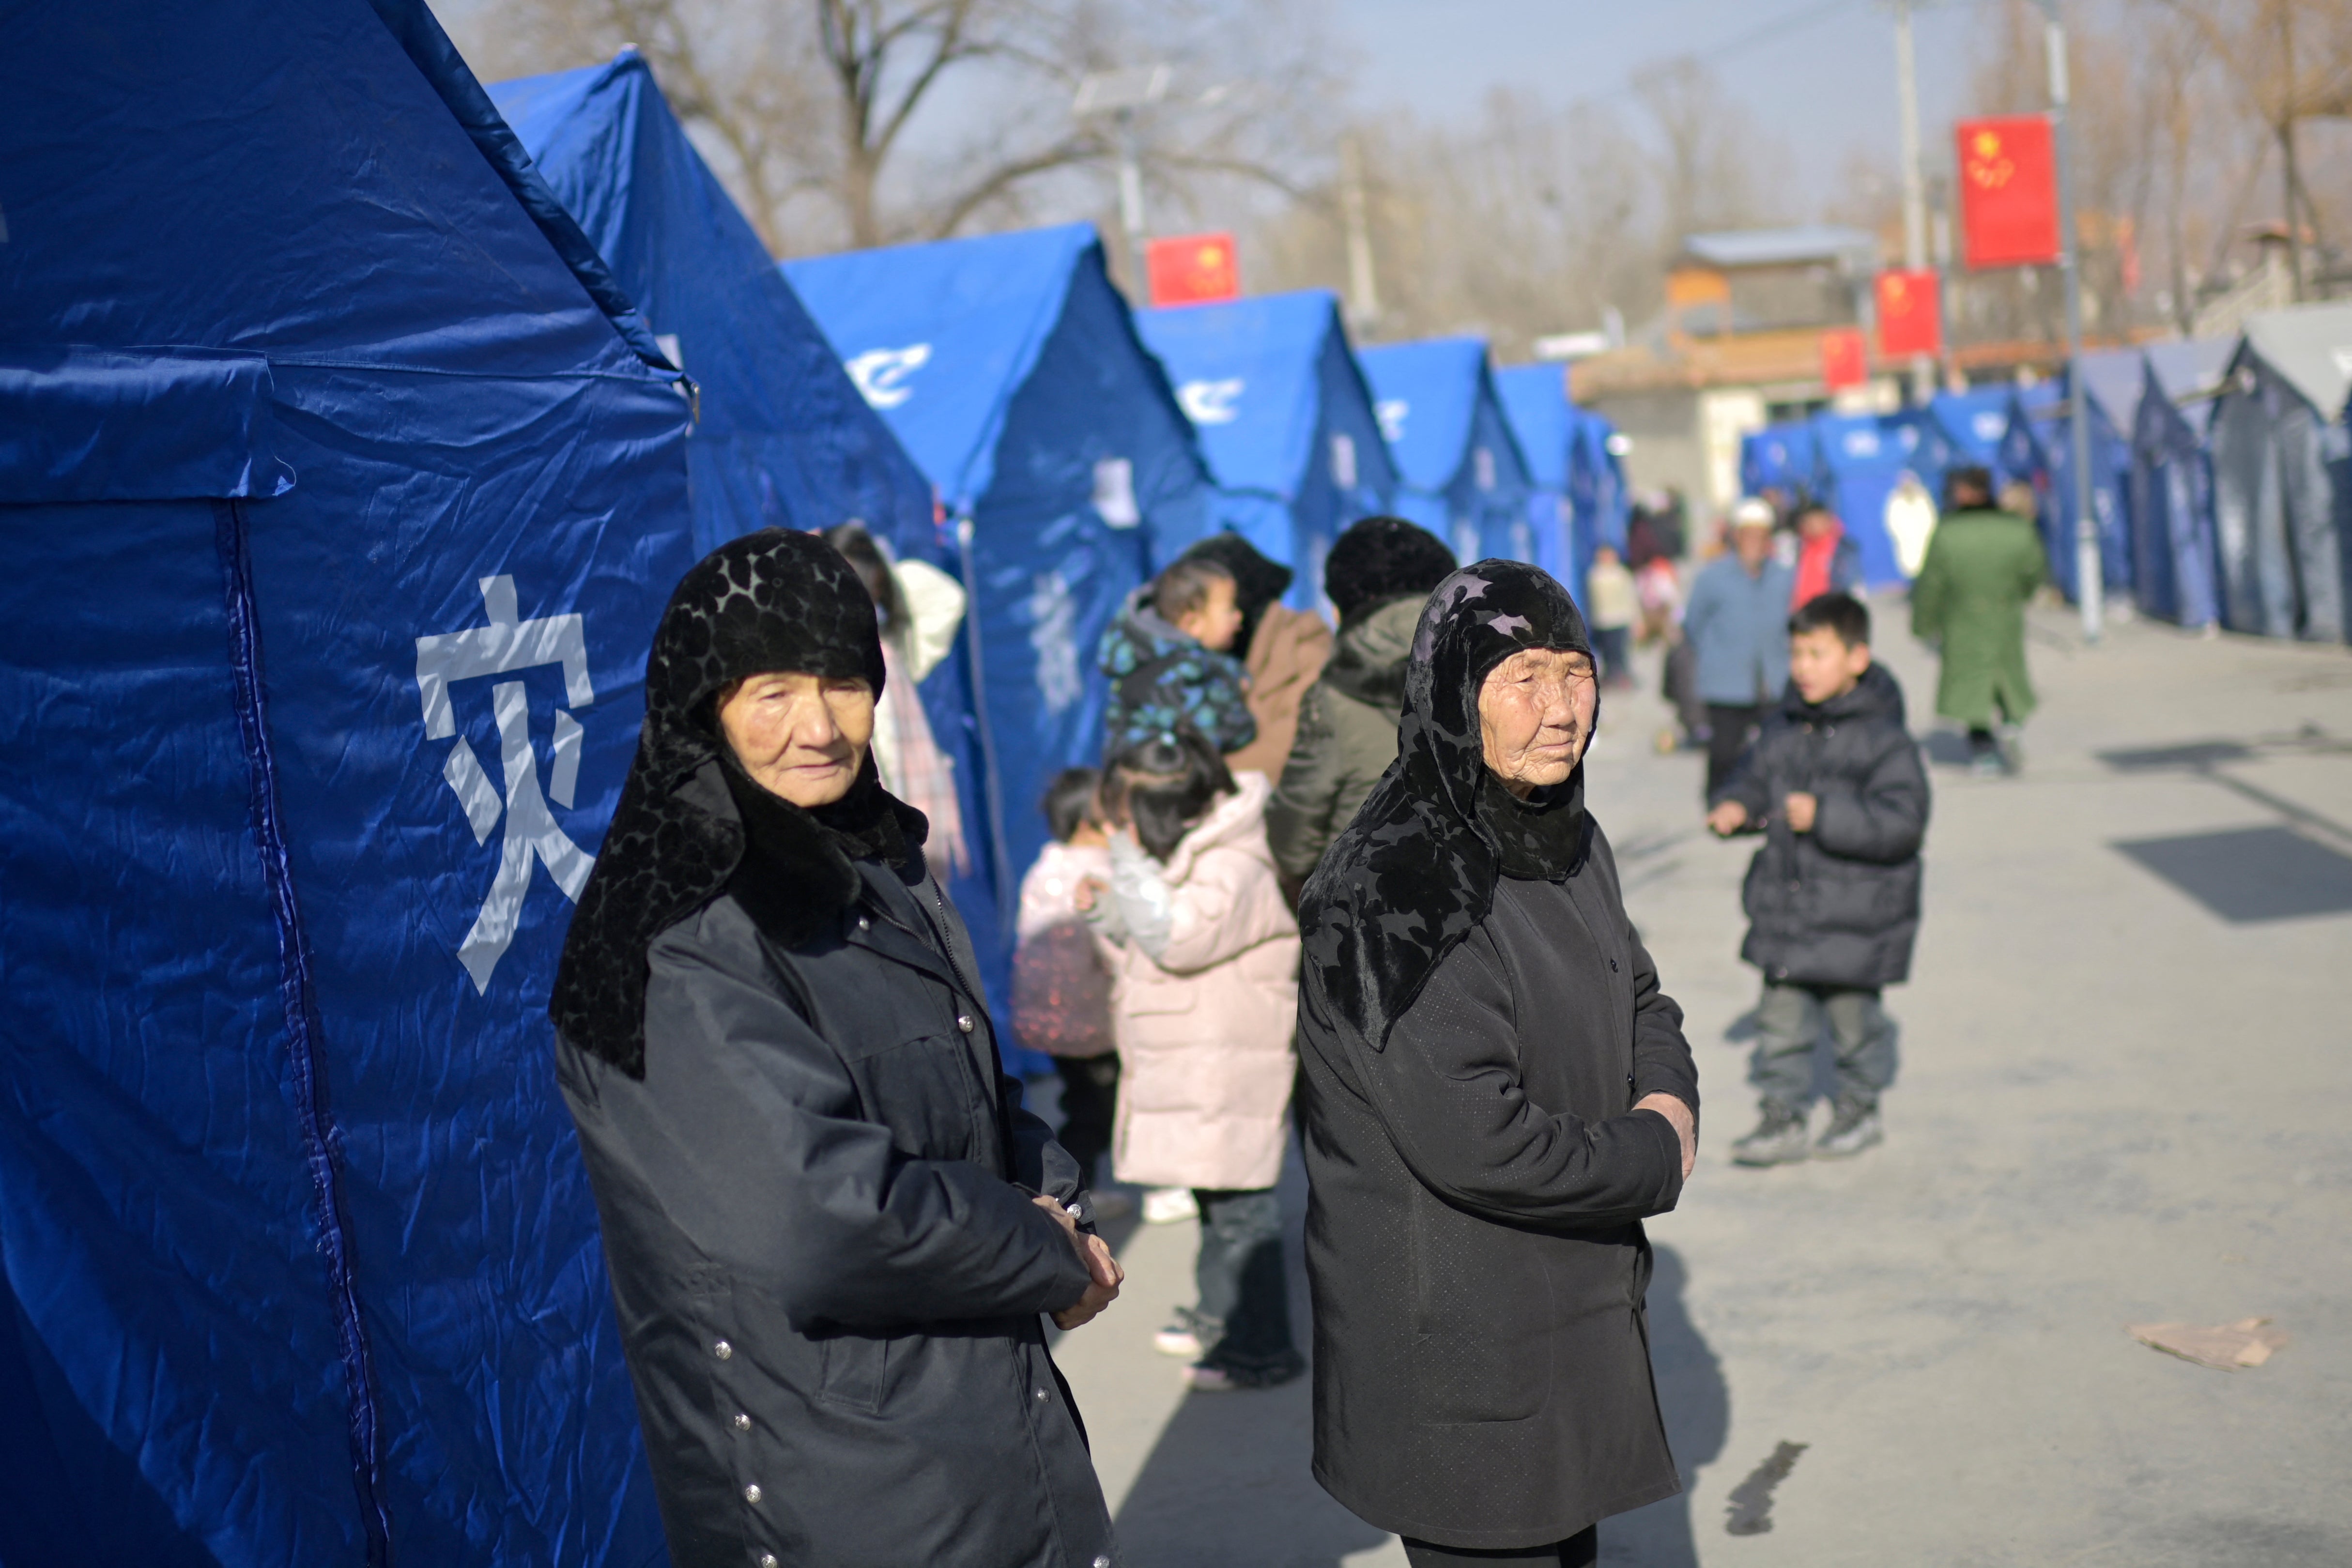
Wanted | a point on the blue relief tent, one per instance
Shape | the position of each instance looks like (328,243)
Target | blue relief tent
(1464,477)
(782,438)
(2176,575)
(345,492)
(1974,422)
(1597,493)
(1783,456)
(1285,419)
(1862,459)
(2038,449)
(1009,368)
(1549,429)
(2282,491)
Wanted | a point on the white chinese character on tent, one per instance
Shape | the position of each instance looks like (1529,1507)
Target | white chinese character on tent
(507,646)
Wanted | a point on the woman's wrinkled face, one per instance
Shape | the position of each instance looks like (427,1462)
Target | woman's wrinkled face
(1535,716)
(801,736)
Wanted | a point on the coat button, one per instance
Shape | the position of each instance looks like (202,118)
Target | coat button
(1613,966)
(751,1492)
(743,1421)
(1102,1562)
(963,1022)
(722,1350)
(864,924)
(1041,1396)
(767,1559)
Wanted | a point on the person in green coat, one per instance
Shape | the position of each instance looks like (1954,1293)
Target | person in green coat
(1982,566)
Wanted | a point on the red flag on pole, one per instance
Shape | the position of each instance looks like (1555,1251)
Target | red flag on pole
(2008,192)
(1910,315)
(1193,269)
(1846,358)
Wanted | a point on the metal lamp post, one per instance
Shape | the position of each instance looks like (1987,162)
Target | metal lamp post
(2090,589)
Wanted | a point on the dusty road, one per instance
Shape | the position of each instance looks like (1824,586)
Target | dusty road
(2127,1048)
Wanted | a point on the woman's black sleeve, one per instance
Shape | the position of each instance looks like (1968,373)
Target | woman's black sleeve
(1447,1087)
(746,1131)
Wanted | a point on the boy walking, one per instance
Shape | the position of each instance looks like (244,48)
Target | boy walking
(1835,786)
(1167,657)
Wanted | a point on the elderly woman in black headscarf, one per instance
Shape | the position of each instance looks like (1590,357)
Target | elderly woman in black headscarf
(831,1226)
(1497,1094)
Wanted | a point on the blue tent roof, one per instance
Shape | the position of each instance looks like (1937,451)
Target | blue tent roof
(1009,368)
(1285,419)
(1975,421)
(1782,455)
(1463,476)
(346,503)
(782,438)
(2038,449)
(1550,431)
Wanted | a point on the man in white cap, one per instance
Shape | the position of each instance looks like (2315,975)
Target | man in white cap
(1737,623)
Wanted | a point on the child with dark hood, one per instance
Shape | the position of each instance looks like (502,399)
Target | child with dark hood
(1170,659)
(1378,576)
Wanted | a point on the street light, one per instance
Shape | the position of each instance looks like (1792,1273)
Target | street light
(1119,94)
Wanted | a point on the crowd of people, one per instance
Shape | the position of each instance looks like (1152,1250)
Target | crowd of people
(1340,885)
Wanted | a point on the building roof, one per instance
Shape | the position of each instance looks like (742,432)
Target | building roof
(1781,246)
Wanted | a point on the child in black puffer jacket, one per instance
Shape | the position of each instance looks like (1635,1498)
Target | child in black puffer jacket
(1835,784)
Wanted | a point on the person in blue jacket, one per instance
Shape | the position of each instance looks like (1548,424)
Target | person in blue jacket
(1737,625)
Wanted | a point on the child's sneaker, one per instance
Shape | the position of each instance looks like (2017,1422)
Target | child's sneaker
(1854,1129)
(1202,1379)
(1186,1336)
(1778,1140)
(1167,1206)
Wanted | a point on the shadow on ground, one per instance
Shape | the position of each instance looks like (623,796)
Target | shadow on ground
(1696,1404)
(1228,1482)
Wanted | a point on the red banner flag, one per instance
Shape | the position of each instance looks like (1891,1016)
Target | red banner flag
(2008,192)
(1910,315)
(1193,269)
(1846,358)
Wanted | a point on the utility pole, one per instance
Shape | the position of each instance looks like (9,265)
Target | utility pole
(1915,193)
(1363,290)
(1119,94)
(2089,587)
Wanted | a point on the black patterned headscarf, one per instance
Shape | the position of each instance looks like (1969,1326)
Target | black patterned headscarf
(1415,872)
(772,602)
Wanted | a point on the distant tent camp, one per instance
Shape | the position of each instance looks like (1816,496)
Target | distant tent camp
(2176,574)
(1285,419)
(1549,430)
(1863,458)
(1596,481)
(1009,368)
(1463,476)
(782,438)
(1784,456)
(1974,422)
(346,494)
(2281,489)
(2038,450)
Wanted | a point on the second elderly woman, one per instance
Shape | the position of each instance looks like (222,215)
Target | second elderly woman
(832,1230)
(1497,1094)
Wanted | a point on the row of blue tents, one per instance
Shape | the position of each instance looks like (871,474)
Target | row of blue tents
(2220,490)
(355,422)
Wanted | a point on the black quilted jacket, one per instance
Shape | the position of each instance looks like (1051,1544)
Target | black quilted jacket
(1839,905)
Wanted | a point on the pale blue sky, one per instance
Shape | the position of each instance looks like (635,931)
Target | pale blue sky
(1823,83)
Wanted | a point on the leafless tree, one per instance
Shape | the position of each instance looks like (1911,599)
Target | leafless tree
(860,123)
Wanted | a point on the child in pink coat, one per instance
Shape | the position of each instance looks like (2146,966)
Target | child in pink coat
(1061,985)
(1204,964)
